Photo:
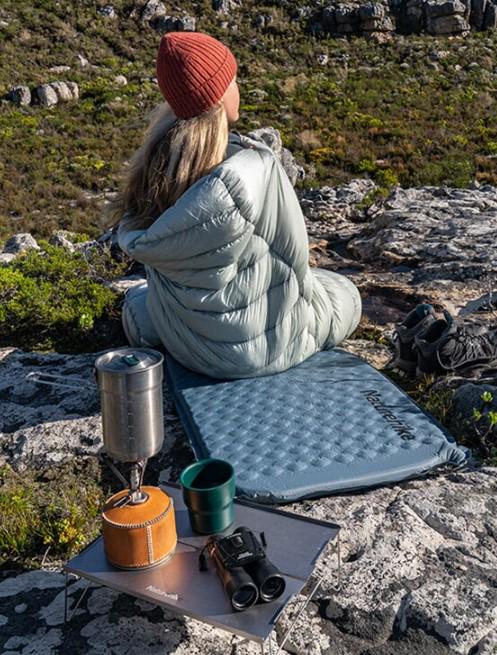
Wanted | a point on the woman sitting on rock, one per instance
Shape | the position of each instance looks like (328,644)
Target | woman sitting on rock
(215,220)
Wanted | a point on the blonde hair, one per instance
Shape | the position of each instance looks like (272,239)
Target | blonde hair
(174,154)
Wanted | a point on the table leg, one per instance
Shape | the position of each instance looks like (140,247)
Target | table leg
(310,597)
(82,595)
(65,597)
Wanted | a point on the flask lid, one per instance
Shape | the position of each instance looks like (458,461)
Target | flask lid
(128,360)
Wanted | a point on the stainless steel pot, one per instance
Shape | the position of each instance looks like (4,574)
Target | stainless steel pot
(130,383)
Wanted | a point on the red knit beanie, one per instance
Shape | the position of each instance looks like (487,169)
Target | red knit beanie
(193,71)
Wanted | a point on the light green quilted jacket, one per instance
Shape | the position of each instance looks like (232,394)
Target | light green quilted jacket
(230,291)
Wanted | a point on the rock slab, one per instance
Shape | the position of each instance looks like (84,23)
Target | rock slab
(440,232)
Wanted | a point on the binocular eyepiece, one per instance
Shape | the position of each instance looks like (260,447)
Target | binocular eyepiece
(245,571)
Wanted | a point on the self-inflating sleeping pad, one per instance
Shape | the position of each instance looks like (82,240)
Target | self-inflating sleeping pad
(331,424)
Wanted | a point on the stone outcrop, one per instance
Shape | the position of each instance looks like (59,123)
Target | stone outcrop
(438,232)
(381,18)
(46,95)
(154,14)
(43,425)
(448,17)
(20,95)
(20,243)
(225,6)
(153,10)
(335,211)
(476,405)
(271,137)
(421,566)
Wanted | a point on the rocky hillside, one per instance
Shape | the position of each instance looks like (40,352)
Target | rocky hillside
(77,81)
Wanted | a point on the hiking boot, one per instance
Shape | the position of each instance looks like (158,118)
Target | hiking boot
(449,345)
(416,321)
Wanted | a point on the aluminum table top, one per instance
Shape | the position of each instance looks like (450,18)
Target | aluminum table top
(294,544)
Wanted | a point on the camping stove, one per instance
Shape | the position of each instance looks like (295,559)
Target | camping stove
(130,383)
(138,523)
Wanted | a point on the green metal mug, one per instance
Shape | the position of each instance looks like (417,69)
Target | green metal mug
(208,492)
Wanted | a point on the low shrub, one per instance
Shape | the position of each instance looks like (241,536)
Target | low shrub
(52,299)
(39,518)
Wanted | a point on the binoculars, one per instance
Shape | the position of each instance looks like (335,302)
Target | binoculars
(245,571)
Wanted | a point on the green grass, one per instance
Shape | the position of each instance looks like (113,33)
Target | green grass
(413,126)
(479,433)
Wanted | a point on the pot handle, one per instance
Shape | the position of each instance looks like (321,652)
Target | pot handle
(51,380)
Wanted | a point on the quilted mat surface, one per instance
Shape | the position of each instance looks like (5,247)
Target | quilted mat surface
(331,424)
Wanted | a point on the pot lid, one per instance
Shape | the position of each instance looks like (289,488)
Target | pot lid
(128,360)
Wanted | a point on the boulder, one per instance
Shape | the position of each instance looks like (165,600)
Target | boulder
(384,24)
(453,24)
(414,18)
(477,16)
(347,18)
(316,28)
(447,17)
(171,24)
(107,11)
(19,243)
(153,10)
(225,6)
(332,210)
(74,89)
(64,93)
(271,137)
(468,398)
(6,257)
(490,18)
(328,19)
(20,95)
(371,11)
(436,9)
(373,17)
(186,24)
(59,69)
(46,95)
(62,239)
(82,60)
(295,172)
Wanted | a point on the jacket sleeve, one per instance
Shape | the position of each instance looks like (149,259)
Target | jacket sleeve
(205,228)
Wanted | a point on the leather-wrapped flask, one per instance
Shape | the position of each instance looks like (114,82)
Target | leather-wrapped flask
(141,535)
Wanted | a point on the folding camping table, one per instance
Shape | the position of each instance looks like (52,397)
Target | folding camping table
(293,545)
